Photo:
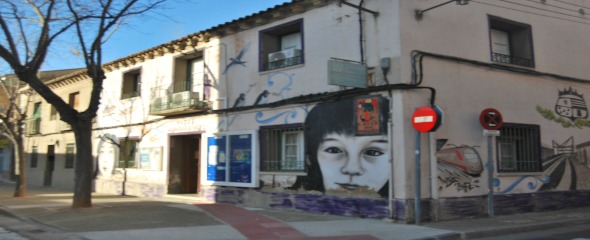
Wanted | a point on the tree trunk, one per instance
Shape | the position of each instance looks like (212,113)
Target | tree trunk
(21,181)
(83,163)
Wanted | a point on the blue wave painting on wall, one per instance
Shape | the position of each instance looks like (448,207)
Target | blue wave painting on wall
(290,114)
(229,123)
(532,185)
(287,82)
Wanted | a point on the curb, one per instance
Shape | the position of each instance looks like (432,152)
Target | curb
(33,229)
(446,236)
(521,229)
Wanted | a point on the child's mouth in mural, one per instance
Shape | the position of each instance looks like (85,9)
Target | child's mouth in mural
(350,187)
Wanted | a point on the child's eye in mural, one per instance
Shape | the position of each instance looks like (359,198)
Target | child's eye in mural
(333,150)
(373,153)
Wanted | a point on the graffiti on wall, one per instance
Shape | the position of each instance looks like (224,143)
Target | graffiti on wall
(340,161)
(107,158)
(570,110)
(286,115)
(238,59)
(273,90)
(565,166)
(459,167)
(565,169)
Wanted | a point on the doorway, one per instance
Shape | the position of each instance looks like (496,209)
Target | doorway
(183,171)
(49,166)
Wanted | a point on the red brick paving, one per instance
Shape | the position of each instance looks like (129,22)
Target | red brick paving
(258,226)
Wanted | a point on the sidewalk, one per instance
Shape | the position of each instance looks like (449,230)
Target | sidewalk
(46,214)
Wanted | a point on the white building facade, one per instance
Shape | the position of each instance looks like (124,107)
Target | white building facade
(309,106)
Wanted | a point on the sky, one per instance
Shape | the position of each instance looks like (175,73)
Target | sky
(175,19)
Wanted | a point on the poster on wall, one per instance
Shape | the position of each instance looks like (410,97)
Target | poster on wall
(232,159)
(368,117)
(216,158)
(241,158)
(150,158)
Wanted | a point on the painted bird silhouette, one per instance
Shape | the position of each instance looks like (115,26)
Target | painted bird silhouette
(262,98)
(240,101)
(238,59)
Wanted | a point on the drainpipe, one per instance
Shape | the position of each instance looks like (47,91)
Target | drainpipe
(433,177)
(226,98)
(392,168)
(417,180)
(226,86)
(361,35)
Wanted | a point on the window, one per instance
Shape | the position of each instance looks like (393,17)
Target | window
(34,157)
(131,84)
(281,148)
(34,126)
(74,100)
(70,155)
(511,42)
(519,148)
(281,46)
(188,73)
(128,153)
(53,113)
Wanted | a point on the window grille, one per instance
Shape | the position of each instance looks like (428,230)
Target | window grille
(519,148)
(281,148)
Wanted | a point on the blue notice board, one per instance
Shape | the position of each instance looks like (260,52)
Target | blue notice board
(216,158)
(241,158)
(231,159)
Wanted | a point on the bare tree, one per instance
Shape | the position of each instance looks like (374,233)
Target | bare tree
(31,26)
(13,115)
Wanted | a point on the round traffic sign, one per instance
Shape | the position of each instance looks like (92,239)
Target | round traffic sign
(425,119)
(491,119)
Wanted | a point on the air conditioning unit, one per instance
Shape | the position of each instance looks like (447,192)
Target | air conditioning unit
(284,58)
(184,99)
(159,104)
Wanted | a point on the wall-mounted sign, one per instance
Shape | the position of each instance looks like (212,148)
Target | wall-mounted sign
(347,73)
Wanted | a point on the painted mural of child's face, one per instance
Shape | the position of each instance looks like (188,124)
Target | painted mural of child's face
(354,162)
(106,159)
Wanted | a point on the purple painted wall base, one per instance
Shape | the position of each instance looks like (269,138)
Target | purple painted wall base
(403,209)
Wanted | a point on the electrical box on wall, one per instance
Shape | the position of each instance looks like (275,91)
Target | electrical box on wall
(385,63)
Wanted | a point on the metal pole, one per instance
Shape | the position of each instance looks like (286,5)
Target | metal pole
(417,174)
(490,168)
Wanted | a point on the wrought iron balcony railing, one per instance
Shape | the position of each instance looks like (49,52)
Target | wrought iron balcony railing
(33,126)
(284,63)
(176,98)
(502,58)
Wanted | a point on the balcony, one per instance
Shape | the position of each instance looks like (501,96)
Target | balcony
(177,98)
(501,58)
(33,126)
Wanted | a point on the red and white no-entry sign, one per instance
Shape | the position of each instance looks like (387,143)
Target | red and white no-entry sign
(426,119)
(491,119)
